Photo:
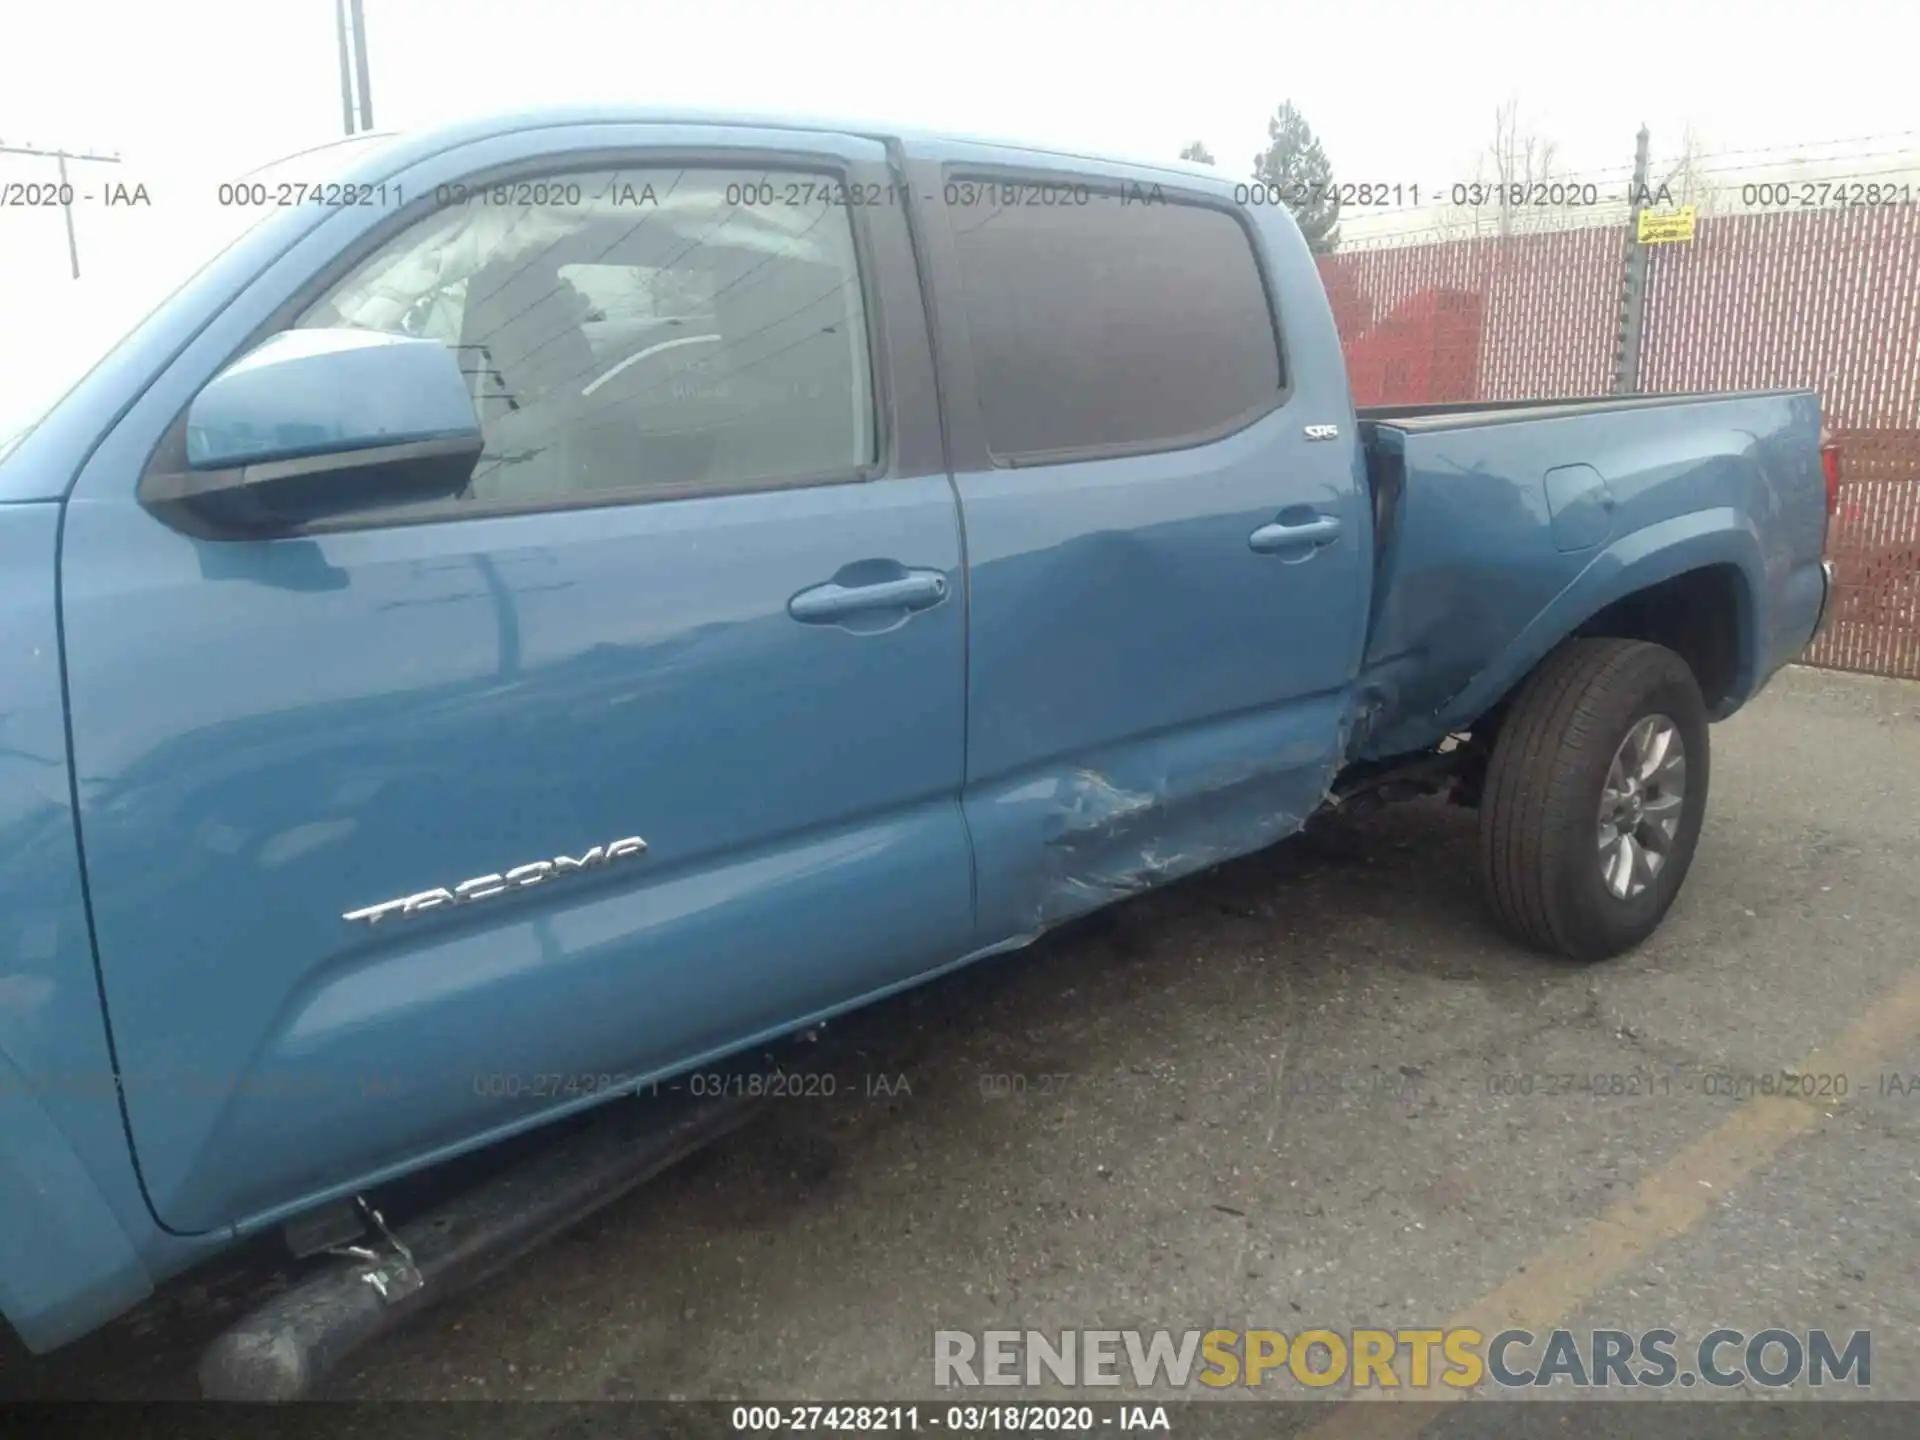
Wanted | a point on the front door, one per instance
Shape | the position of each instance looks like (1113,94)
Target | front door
(693,640)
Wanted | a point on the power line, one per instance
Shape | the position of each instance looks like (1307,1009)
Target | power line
(1605,217)
(1799,150)
(1709,185)
(1706,176)
(5,149)
(1707,179)
(1804,144)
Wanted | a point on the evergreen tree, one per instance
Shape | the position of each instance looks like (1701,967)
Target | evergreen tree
(1295,165)
(1198,152)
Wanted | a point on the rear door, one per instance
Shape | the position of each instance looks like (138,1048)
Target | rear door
(704,592)
(1167,567)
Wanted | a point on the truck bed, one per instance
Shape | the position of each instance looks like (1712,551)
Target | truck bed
(1500,525)
(1481,412)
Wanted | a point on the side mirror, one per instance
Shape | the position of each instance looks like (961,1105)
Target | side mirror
(319,422)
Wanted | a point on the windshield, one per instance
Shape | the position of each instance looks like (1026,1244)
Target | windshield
(133,257)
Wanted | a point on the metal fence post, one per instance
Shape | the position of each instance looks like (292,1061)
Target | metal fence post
(1633,292)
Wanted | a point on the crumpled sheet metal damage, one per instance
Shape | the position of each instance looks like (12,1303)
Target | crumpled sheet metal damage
(1105,840)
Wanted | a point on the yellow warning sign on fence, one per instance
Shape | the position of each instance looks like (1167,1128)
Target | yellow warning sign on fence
(1666,227)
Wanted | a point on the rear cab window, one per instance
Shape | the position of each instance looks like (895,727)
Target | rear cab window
(1101,323)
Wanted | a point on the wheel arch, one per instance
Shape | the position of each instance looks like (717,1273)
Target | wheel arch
(1693,584)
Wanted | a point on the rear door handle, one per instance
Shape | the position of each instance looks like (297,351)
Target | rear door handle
(825,604)
(1275,537)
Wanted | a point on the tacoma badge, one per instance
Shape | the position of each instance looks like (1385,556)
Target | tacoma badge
(484,887)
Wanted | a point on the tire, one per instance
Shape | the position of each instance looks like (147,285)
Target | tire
(1550,875)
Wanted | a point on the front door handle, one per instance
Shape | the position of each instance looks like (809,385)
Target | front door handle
(1320,530)
(834,601)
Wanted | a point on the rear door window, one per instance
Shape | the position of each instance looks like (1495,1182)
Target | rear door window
(1102,323)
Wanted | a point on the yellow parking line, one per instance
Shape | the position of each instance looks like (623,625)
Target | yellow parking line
(1667,1203)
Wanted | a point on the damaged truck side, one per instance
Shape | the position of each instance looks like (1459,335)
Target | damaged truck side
(619,589)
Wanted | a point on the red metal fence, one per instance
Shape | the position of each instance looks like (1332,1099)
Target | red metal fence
(1499,318)
(1823,299)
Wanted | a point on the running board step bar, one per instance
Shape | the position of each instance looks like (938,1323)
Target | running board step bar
(285,1348)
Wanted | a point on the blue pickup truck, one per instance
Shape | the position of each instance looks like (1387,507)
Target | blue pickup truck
(568,599)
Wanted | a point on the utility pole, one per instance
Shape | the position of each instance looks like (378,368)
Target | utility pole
(350,26)
(346,66)
(360,63)
(66,189)
(1633,295)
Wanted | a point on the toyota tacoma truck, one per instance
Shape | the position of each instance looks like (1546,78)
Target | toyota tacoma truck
(567,599)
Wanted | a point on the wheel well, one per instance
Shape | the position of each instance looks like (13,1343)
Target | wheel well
(1696,615)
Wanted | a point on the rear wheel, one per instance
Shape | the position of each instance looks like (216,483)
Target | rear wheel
(1594,798)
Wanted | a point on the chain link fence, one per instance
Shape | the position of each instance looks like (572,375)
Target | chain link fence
(1827,300)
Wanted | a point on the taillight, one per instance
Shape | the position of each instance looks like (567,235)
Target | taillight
(1830,464)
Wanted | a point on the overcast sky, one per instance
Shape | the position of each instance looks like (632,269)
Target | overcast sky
(1399,92)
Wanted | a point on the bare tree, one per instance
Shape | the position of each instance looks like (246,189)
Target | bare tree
(1505,170)
(1686,180)
(1516,161)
